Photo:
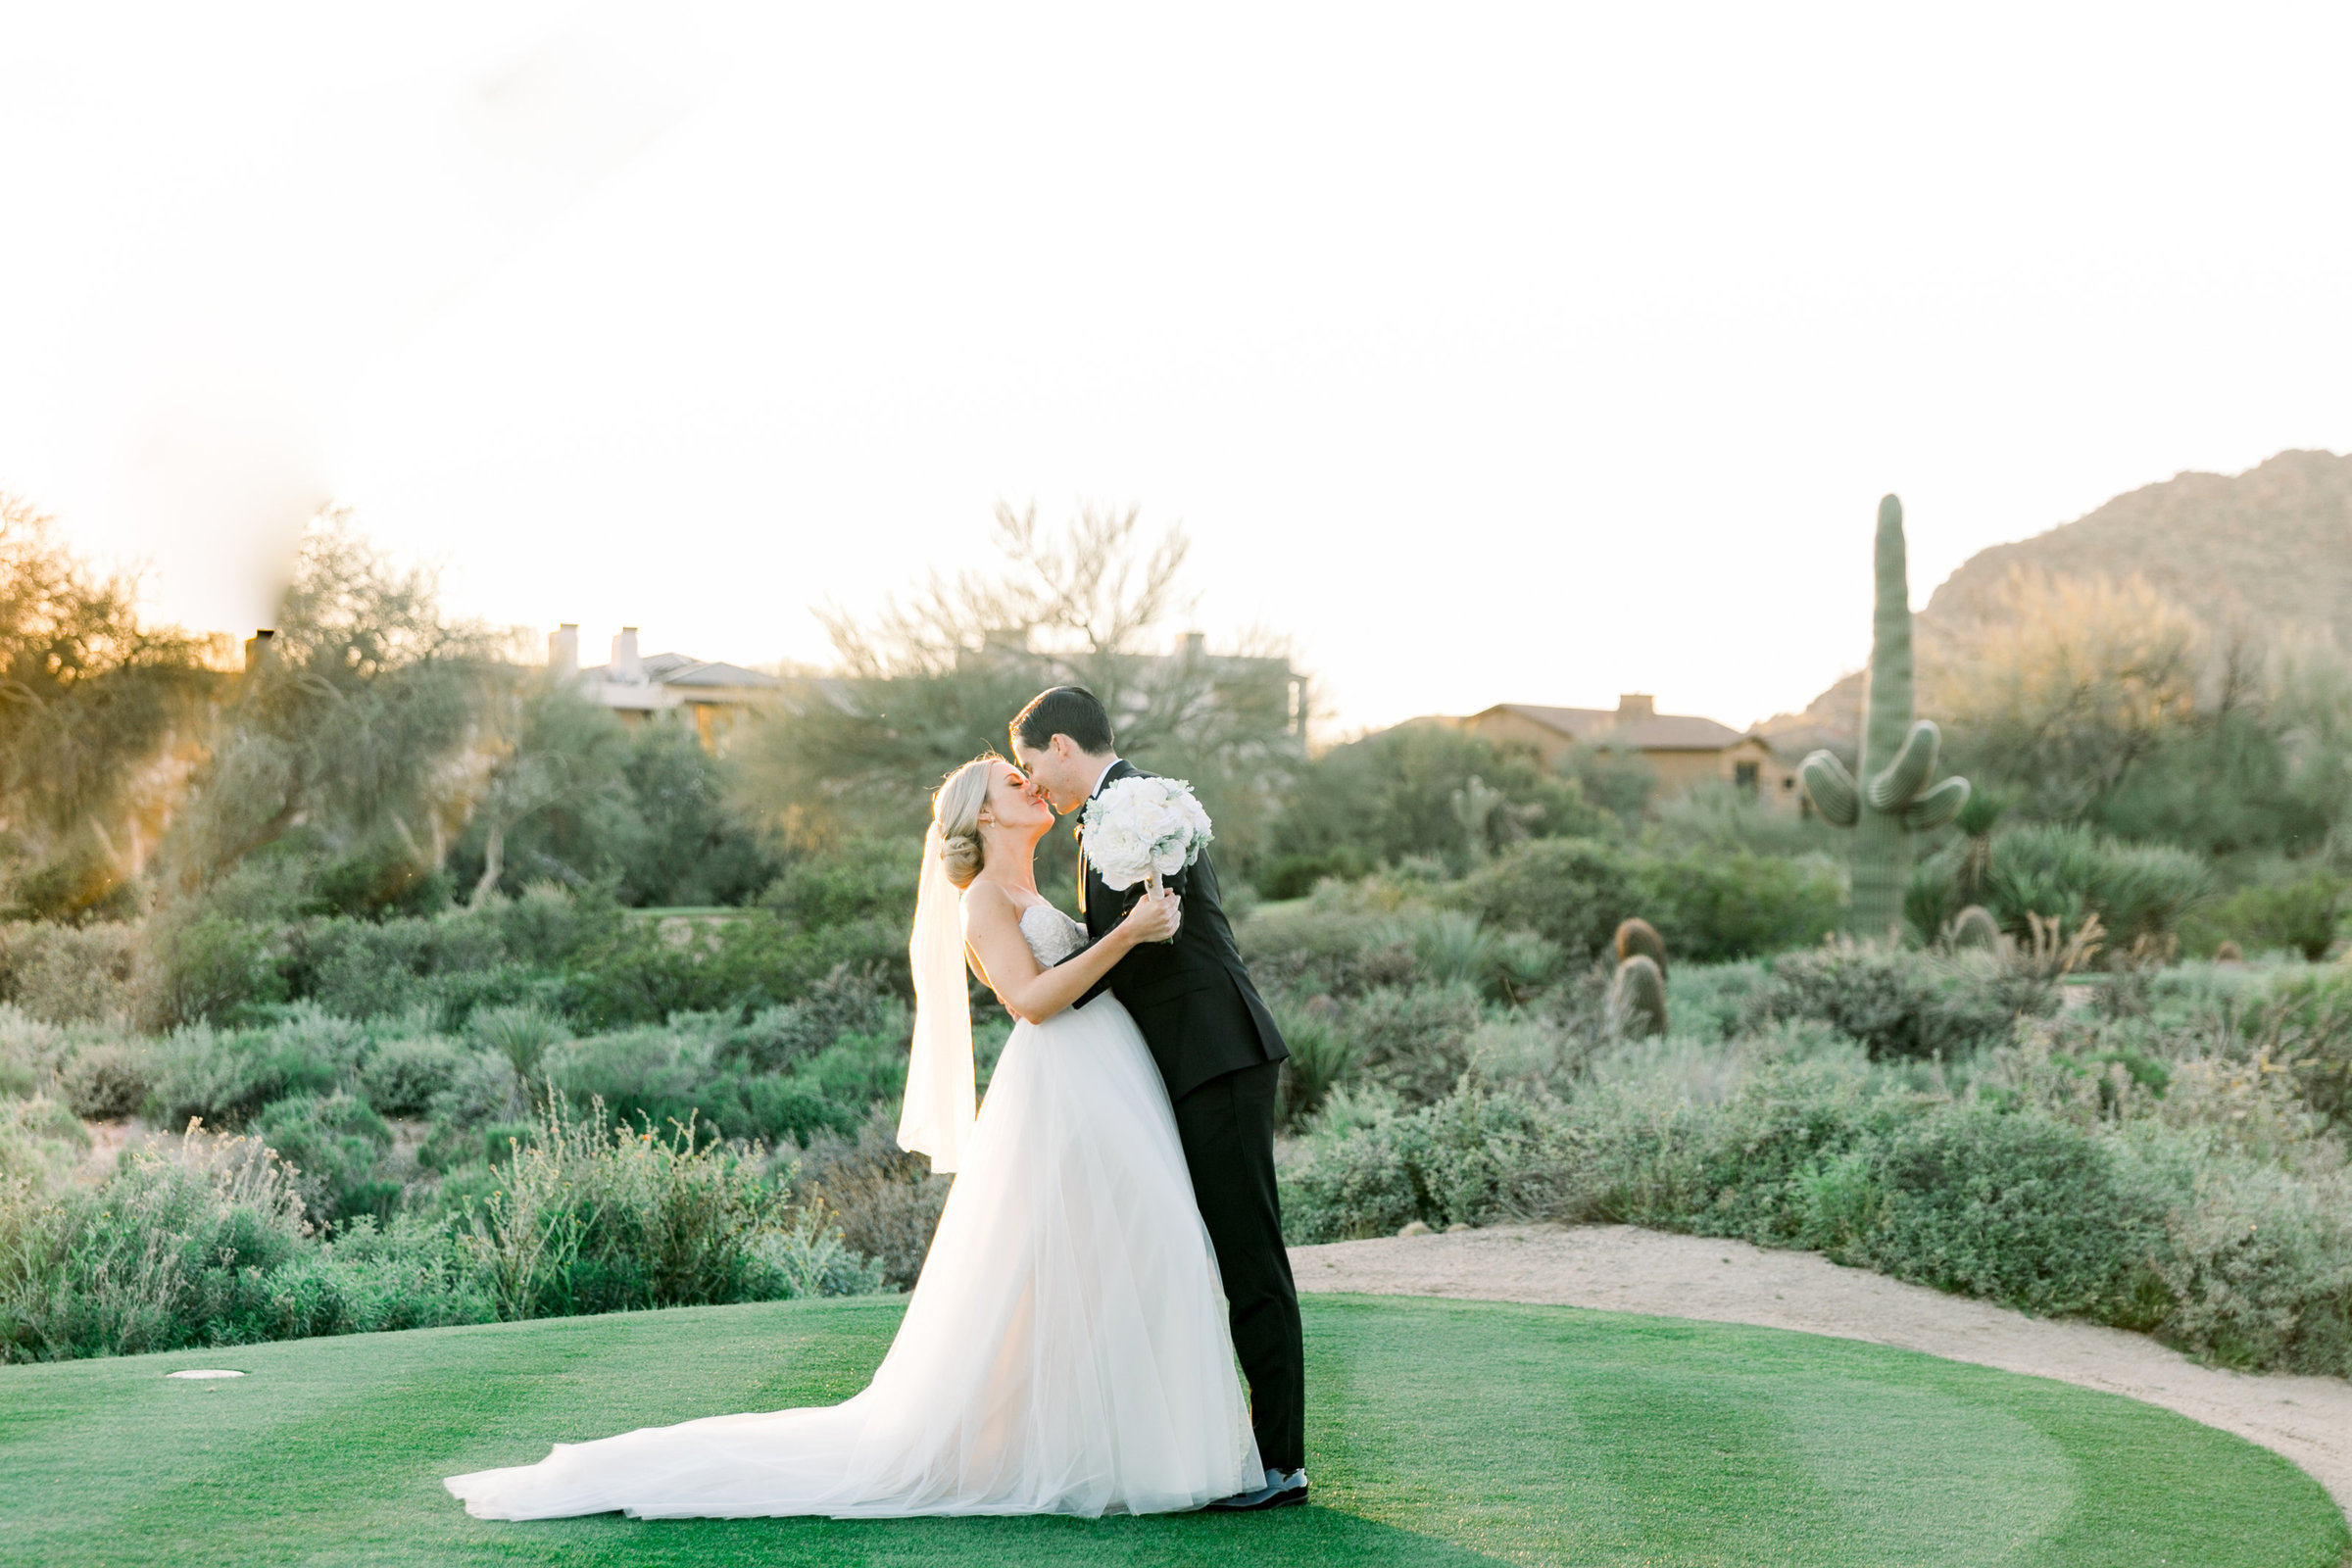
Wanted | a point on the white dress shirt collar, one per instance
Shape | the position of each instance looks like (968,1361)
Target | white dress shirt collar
(1100,778)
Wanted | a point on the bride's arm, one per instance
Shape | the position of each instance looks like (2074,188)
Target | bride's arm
(992,930)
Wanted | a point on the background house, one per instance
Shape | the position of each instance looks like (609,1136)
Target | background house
(714,696)
(1682,748)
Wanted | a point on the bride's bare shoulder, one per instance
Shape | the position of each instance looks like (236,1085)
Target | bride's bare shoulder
(986,904)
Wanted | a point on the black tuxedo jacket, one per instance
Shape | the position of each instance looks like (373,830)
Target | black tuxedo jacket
(1190,997)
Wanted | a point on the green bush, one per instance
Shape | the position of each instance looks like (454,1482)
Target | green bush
(67,973)
(227,1075)
(334,1146)
(886,1200)
(108,1081)
(2298,916)
(594,1216)
(1333,944)
(402,1076)
(842,1003)
(1714,905)
(1295,876)
(1897,1003)
(202,1239)
(1389,796)
(1572,892)
(2020,1209)
(212,969)
(2067,873)
(2257,1264)
(1414,1039)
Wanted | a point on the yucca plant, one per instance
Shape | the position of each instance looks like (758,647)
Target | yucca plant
(521,1034)
(1453,946)
(1322,1057)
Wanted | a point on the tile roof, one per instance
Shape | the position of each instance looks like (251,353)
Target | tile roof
(684,669)
(1662,732)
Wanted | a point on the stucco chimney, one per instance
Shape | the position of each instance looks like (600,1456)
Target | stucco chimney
(626,665)
(1195,643)
(563,651)
(258,648)
(1632,706)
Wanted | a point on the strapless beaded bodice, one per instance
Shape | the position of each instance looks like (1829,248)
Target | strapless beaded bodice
(1050,934)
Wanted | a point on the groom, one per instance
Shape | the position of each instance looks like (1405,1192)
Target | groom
(1222,1056)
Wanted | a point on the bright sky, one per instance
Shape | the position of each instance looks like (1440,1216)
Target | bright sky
(1496,353)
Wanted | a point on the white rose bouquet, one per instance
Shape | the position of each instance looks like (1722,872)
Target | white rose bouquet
(1143,829)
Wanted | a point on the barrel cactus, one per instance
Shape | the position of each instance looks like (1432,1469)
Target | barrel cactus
(1637,935)
(1894,799)
(1638,998)
(1974,928)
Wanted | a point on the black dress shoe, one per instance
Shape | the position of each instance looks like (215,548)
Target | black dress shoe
(1281,1490)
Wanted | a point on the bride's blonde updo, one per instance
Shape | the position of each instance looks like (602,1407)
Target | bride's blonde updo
(956,808)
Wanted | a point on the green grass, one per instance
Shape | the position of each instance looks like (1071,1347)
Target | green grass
(1443,1434)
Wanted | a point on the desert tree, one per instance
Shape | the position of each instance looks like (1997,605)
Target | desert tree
(354,729)
(99,718)
(927,680)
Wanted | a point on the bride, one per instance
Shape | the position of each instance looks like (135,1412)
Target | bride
(1066,1350)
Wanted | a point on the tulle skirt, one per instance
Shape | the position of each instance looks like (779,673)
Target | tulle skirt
(1066,1350)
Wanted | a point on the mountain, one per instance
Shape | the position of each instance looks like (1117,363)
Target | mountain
(2267,551)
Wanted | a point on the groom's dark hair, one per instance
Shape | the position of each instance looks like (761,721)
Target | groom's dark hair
(1070,711)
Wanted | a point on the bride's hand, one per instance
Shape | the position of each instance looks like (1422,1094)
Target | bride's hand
(1153,918)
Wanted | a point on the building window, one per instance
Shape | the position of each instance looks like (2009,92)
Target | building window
(1744,775)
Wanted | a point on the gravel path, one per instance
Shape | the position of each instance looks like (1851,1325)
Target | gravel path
(1624,1269)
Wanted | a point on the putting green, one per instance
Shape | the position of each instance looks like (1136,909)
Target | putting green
(1442,1433)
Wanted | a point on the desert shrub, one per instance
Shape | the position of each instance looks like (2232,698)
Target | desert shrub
(1469,1159)
(2020,1209)
(1571,892)
(1710,999)
(679,1071)
(520,1032)
(176,1249)
(225,1076)
(108,1081)
(1348,1187)
(1756,1167)
(402,1076)
(651,1072)
(333,1146)
(640,971)
(843,1002)
(2299,916)
(1334,943)
(203,1240)
(209,969)
(2257,1264)
(1295,876)
(1416,1039)
(64,973)
(1714,904)
(2066,872)
(40,1141)
(1389,796)
(594,1216)
(483,1089)
(886,1200)
(1322,1055)
(865,878)
(811,1258)
(441,967)
(1899,1003)
(1452,946)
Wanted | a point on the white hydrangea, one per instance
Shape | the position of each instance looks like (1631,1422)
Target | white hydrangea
(1140,825)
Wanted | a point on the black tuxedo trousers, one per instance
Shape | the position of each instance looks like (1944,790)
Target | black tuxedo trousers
(1218,1050)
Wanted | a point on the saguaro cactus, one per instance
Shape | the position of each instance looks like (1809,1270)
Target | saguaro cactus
(1894,799)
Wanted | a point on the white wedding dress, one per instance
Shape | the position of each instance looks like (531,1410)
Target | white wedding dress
(1064,1352)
